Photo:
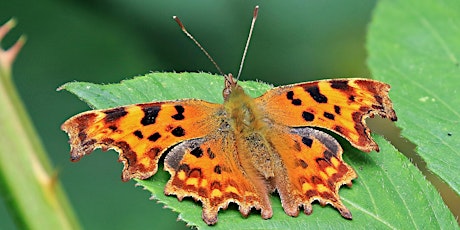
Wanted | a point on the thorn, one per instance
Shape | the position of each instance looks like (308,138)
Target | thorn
(14,50)
(8,56)
(10,24)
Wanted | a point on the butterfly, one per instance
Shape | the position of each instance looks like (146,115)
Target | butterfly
(245,149)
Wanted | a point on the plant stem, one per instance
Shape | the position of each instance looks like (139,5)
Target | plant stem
(32,193)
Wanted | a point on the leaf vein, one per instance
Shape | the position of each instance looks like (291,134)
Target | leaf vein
(368,213)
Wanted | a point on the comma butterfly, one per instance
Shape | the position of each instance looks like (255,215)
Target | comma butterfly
(243,150)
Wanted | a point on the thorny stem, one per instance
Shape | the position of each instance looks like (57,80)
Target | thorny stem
(32,193)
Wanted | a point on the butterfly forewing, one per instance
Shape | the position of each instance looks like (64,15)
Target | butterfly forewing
(140,133)
(340,105)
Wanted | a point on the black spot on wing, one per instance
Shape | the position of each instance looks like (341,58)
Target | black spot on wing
(316,95)
(197,152)
(217,169)
(307,116)
(180,113)
(178,131)
(115,114)
(337,109)
(351,98)
(138,134)
(329,116)
(150,114)
(154,137)
(307,141)
(294,101)
(340,84)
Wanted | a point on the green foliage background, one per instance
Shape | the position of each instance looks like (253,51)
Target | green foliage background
(108,41)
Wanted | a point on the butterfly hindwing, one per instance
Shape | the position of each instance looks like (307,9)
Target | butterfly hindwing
(311,168)
(209,171)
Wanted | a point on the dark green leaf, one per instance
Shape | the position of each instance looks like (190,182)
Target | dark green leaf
(415,47)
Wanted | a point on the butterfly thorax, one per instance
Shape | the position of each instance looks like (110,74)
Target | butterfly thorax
(247,124)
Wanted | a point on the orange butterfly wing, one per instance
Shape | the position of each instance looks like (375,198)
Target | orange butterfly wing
(140,133)
(309,162)
(309,168)
(340,105)
(210,170)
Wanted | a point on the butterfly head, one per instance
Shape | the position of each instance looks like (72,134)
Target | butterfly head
(231,85)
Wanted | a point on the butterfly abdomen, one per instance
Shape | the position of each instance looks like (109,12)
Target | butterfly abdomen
(248,127)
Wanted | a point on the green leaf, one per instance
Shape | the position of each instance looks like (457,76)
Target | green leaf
(389,193)
(157,87)
(415,47)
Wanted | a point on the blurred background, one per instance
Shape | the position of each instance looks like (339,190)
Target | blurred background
(108,41)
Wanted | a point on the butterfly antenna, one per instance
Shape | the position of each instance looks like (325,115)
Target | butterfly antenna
(182,27)
(254,17)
